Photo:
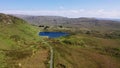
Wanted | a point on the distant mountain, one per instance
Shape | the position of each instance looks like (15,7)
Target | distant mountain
(116,20)
(43,20)
(113,19)
(89,23)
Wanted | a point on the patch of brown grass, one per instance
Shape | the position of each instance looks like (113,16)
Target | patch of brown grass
(73,56)
(38,60)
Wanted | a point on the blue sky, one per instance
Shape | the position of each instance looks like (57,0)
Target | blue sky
(68,8)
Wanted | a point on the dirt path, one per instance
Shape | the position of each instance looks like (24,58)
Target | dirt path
(51,54)
(51,57)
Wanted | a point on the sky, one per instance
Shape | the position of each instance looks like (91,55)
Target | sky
(66,8)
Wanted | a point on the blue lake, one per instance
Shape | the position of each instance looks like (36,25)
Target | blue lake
(53,34)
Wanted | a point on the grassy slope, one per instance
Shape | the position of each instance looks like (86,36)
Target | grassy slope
(20,46)
(19,41)
(82,51)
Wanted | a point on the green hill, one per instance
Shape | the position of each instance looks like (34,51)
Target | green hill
(15,31)
(18,40)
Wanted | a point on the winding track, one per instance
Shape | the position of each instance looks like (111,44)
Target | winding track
(51,55)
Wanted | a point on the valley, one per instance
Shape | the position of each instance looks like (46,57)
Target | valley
(91,43)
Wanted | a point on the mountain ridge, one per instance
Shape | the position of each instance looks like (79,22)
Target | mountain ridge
(83,22)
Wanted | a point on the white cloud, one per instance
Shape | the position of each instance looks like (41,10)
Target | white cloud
(101,13)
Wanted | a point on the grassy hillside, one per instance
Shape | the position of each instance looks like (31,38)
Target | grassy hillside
(85,48)
(21,47)
(83,51)
(19,41)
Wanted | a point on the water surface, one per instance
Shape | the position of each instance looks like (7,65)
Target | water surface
(53,34)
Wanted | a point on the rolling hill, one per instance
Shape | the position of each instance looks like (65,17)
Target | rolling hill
(19,42)
(87,23)
(21,47)
(82,50)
